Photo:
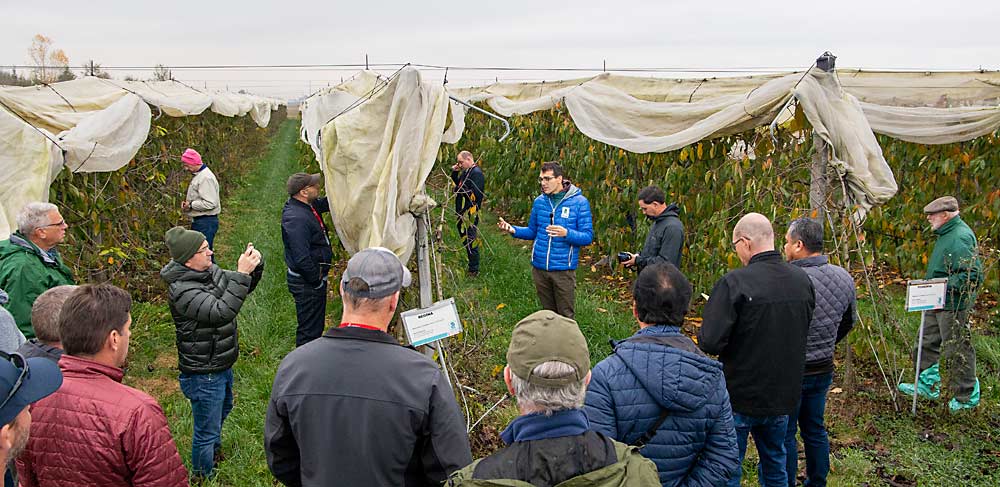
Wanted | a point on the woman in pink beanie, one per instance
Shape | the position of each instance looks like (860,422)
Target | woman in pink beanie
(202,203)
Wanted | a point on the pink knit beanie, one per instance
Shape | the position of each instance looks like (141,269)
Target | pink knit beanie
(191,157)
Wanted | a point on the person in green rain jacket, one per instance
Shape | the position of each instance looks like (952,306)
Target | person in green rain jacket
(30,263)
(947,334)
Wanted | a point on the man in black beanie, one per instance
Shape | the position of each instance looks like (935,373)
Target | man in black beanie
(204,301)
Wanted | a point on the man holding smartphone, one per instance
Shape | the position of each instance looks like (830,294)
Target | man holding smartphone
(204,301)
(560,224)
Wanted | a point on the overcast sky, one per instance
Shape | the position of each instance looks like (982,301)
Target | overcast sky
(955,35)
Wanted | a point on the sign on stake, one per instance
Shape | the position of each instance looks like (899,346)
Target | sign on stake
(923,295)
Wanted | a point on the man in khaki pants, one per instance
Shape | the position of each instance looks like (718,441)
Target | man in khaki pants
(947,335)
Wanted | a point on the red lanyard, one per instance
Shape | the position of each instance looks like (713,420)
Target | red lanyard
(320,220)
(359,325)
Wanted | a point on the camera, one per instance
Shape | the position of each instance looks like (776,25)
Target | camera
(623,256)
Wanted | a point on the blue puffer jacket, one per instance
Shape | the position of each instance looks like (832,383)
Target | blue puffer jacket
(559,253)
(696,445)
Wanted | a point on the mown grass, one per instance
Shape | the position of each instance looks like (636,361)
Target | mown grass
(873,443)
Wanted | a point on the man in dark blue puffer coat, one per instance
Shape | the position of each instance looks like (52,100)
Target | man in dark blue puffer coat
(560,224)
(658,390)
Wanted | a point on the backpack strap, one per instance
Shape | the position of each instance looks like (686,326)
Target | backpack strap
(651,432)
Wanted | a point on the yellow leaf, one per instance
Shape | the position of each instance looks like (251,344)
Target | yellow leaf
(602,310)
(501,306)
(836,390)
(111,260)
(593,269)
(497,370)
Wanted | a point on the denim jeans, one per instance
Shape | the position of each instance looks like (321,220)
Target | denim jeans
(769,437)
(310,309)
(211,397)
(208,225)
(809,417)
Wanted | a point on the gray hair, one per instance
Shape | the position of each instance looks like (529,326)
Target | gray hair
(547,400)
(33,216)
(45,312)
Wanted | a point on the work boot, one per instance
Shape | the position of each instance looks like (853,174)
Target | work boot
(928,384)
(955,405)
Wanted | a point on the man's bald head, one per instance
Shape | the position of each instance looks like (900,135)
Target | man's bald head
(464,156)
(757,231)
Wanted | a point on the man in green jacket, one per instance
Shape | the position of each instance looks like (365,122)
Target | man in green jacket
(947,335)
(551,443)
(30,263)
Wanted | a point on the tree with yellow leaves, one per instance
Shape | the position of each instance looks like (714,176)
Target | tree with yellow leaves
(49,63)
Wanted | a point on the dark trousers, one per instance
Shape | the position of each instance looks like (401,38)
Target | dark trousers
(208,225)
(556,290)
(947,337)
(769,436)
(310,309)
(211,397)
(808,418)
(468,228)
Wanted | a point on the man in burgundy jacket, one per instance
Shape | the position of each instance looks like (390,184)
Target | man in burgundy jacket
(95,430)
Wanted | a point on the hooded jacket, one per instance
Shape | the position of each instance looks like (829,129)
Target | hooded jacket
(571,212)
(10,336)
(95,430)
(26,272)
(660,369)
(204,305)
(955,257)
(665,240)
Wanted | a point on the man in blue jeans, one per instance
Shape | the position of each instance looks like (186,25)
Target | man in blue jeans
(833,318)
(756,321)
(204,302)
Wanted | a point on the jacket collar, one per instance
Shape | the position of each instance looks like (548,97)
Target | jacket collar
(767,255)
(82,366)
(658,330)
(669,211)
(293,201)
(814,261)
(537,426)
(20,240)
(351,333)
(948,225)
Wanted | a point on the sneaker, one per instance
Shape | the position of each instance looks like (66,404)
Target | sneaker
(955,405)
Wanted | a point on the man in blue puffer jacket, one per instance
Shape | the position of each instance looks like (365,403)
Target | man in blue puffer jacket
(559,224)
(659,392)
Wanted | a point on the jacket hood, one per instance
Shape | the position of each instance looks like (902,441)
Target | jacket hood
(670,211)
(174,272)
(677,379)
(18,243)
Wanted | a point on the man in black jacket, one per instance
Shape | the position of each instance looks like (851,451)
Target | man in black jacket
(354,407)
(204,301)
(307,253)
(469,186)
(666,236)
(756,321)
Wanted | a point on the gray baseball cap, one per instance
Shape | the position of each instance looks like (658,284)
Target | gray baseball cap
(380,269)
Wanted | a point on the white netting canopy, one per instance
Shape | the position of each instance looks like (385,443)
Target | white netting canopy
(377,160)
(91,125)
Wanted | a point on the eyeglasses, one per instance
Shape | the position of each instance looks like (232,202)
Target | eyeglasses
(203,250)
(737,241)
(545,179)
(56,224)
(15,358)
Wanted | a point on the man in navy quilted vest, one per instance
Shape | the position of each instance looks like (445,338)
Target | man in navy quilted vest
(560,224)
(658,391)
(833,317)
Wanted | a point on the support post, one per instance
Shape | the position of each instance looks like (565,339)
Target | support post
(819,185)
(916,373)
(426,292)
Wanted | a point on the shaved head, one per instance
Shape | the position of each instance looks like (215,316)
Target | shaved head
(756,230)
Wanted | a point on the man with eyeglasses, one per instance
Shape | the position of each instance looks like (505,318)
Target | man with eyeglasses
(560,224)
(22,382)
(204,302)
(756,321)
(308,253)
(30,263)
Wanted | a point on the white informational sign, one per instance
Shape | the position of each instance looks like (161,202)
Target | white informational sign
(926,295)
(426,325)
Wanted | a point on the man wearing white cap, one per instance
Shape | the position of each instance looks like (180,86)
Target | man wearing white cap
(202,203)
(354,407)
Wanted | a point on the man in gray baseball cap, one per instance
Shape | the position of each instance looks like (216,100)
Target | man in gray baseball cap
(308,253)
(548,369)
(947,334)
(354,407)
